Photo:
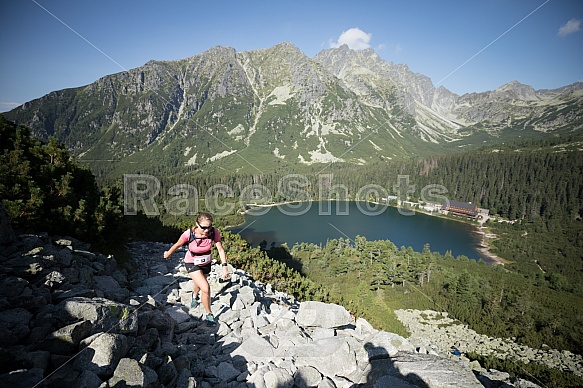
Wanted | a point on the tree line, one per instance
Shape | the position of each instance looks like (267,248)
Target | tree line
(531,182)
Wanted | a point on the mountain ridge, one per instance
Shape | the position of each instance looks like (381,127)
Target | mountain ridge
(278,107)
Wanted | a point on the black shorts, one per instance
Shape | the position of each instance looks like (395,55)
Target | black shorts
(191,267)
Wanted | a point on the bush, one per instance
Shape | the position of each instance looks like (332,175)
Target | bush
(44,189)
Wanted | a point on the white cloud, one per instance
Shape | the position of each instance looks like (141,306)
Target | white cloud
(355,38)
(570,27)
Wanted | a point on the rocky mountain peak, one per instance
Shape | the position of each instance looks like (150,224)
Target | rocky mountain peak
(516,90)
(281,103)
(287,47)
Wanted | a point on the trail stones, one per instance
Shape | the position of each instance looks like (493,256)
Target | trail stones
(322,315)
(63,306)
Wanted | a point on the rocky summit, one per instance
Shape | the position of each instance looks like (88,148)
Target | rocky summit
(70,317)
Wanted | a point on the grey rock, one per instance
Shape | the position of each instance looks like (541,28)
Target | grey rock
(26,267)
(37,359)
(320,314)
(307,376)
(64,256)
(102,353)
(227,372)
(385,345)
(161,322)
(254,348)
(151,361)
(327,383)
(88,379)
(77,290)
(111,288)
(394,382)
(330,356)
(66,339)
(425,370)
(130,373)
(22,378)
(159,281)
(54,279)
(16,323)
(185,380)
(179,314)
(363,328)
(246,295)
(64,376)
(278,378)
(12,286)
(86,255)
(104,314)
(166,372)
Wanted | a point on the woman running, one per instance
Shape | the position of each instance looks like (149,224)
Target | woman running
(197,259)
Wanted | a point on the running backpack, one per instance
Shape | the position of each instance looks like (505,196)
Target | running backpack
(193,237)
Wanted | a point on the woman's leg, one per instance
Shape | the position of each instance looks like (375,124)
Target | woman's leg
(201,284)
(195,287)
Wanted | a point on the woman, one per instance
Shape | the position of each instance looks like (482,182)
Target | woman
(198,259)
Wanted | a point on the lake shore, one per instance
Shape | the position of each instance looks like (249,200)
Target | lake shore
(484,246)
(250,206)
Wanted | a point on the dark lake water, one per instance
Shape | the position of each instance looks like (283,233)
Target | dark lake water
(316,222)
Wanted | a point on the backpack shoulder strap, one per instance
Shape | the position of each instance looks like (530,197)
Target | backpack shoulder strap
(210,236)
(193,237)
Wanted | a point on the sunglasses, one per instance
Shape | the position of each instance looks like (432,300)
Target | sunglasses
(204,227)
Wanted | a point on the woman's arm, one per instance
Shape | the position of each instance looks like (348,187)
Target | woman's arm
(223,257)
(174,247)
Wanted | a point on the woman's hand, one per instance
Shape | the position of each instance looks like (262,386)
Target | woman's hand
(226,273)
(166,255)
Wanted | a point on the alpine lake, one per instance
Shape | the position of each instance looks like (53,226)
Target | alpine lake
(318,222)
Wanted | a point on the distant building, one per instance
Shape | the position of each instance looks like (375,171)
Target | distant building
(389,198)
(466,209)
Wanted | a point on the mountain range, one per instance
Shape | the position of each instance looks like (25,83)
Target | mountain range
(276,108)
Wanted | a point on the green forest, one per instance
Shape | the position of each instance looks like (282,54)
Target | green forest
(535,297)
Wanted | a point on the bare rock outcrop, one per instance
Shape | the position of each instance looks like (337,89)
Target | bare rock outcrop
(72,317)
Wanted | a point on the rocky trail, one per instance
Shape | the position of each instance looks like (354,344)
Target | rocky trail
(72,317)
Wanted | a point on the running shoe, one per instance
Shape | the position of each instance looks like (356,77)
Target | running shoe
(194,303)
(210,319)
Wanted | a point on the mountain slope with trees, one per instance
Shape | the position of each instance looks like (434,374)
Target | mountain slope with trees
(44,189)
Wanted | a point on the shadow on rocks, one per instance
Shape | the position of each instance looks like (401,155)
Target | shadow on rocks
(384,372)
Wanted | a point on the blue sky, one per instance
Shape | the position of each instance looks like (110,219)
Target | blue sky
(466,46)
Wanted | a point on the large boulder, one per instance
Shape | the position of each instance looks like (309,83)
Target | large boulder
(66,340)
(424,370)
(319,314)
(130,373)
(104,314)
(102,353)
(14,325)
